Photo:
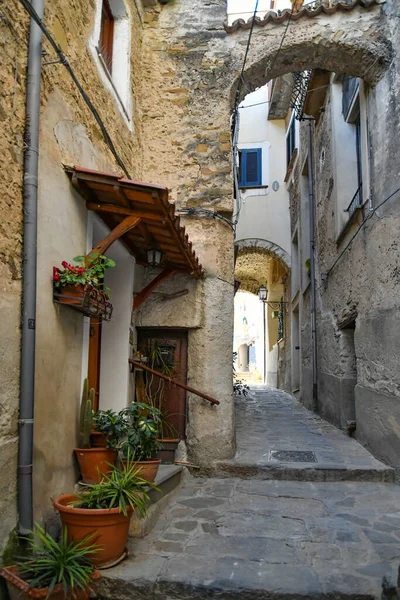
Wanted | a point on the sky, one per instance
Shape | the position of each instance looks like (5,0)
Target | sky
(236,6)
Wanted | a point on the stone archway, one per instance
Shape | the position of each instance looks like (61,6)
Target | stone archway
(192,68)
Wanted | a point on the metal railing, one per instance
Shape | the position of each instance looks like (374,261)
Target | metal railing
(356,202)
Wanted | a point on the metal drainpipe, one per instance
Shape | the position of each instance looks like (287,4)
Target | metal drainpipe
(30,193)
(312,261)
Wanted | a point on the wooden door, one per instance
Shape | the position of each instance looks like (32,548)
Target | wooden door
(94,359)
(166,350)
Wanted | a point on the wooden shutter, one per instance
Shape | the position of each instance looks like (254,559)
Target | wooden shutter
(250,168)
(107,34)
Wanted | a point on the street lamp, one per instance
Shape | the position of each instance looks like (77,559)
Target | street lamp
(275,305)
(262,295)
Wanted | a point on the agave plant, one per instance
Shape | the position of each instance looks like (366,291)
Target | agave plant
(121,489)
(50,562)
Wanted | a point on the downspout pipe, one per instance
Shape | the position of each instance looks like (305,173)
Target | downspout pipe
(311,191)
(30,201)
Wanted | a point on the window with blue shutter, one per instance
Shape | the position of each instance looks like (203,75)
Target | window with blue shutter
(250,168)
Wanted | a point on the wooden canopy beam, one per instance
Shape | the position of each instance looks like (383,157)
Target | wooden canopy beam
(145,293)
(126,225)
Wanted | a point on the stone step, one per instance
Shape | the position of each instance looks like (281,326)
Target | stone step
(168,480)
(317,472)
(282,582)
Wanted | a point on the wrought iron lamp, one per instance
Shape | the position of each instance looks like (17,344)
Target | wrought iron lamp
(262,296)
(154,257)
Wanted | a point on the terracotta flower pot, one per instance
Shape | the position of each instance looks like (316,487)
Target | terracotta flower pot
(167,452)
(95,462)
(107,528)
(98,440)
(19,589)
(147,469)
(71,294)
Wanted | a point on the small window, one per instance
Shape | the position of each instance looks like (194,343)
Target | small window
(250,172)
(106,41)
(290,141)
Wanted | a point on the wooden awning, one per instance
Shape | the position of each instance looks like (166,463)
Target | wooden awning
(140,215)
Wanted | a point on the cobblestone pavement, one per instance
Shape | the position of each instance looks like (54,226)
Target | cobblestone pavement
(270,420)
(231,537)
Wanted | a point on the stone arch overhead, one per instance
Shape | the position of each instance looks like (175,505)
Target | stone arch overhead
(346,42)
(268,247)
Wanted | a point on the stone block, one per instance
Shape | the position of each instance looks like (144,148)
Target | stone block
(378,423)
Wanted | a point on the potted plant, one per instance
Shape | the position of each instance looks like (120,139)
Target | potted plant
(53,570)
(108,428)
(104,511)
(93,462)
(141,440)
(82,285)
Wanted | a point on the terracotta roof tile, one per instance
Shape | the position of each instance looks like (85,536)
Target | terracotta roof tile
(286,14)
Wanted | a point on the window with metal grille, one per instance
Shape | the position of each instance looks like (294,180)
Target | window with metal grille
(106,41)
(250,170)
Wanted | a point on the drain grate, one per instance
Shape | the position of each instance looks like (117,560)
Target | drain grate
(288,456)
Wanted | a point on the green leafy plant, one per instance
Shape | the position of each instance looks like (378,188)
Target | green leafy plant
(143,423)
(89,272)
(50,562)
(113,425)
(86,414)
(120,489)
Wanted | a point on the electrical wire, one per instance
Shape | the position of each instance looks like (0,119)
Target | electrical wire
(210,213)
(370,214)
(64,61)
(241,81)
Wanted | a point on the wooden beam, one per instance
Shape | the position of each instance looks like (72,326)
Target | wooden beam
(122,210)
(126,225)
(141,365)
(145,293)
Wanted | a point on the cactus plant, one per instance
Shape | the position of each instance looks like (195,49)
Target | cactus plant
(86,414)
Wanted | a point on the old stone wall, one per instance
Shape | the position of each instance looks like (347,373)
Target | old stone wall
(364,284)
(12,110)
(69,134)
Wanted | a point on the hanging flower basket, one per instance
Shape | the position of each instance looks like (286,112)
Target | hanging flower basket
(81,286)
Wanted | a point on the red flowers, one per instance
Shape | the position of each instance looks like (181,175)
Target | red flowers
(72,269)
(56,274)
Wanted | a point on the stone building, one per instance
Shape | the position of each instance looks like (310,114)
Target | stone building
(161,114)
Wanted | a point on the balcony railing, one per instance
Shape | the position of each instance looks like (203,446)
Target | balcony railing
(356,202)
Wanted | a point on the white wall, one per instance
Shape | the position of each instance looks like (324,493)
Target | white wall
(115,347)
(244,9)
(264,213)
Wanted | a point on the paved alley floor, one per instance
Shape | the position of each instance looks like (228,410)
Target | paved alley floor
(253,537)
(278,438)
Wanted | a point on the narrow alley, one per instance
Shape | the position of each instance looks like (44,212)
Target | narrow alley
(301,536)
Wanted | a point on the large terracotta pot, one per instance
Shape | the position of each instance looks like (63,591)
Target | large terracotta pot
(147,469)
(98,440)
(95,462)
(19,589)
(107,528)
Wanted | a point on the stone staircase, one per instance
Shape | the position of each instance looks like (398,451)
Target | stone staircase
(301,512)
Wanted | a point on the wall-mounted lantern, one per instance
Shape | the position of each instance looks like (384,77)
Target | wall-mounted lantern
(154,257)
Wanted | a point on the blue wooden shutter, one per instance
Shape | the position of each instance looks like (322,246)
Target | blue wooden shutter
(250,167)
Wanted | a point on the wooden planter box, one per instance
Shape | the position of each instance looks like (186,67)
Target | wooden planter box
(91,303)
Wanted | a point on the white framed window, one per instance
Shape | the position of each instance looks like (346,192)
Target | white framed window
(350,149)
(110,45)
